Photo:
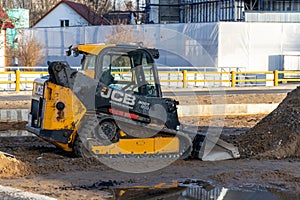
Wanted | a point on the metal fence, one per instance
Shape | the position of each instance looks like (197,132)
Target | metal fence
(18,80)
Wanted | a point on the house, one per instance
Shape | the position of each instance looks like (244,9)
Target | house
(68,13)
(5,23)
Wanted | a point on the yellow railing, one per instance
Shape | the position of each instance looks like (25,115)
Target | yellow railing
(17,77)
(232,78)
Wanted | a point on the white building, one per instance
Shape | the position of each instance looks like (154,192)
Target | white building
(68,13)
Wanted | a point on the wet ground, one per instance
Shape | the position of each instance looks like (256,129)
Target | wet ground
(49,171)
(57,174)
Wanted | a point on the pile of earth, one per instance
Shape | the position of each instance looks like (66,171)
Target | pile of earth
(10,167)
(278,134)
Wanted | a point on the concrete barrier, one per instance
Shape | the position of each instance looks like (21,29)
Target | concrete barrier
(225,109)
(15,133)
(20,115)
(13,115)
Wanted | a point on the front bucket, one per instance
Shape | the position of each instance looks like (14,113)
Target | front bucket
(213,149)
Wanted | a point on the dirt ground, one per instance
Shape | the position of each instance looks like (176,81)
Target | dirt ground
(15,104)
(232,99)
(184,100)
(41,168)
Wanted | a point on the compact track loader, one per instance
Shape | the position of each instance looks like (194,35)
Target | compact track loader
(114,107)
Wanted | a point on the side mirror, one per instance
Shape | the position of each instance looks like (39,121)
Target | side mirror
(69,51)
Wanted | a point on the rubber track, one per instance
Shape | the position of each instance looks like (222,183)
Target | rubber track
(126,162)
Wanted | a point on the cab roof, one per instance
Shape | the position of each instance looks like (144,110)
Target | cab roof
(92,48)
(95,49)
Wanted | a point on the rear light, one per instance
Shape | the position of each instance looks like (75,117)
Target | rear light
(128,115)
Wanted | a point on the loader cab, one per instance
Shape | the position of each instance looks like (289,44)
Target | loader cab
(126,68)
(128,83)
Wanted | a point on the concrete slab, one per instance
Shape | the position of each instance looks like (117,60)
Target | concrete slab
(13,115)
(13,193)
(19,115)
(283,86)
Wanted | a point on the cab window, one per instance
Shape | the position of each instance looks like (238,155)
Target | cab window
(130,71)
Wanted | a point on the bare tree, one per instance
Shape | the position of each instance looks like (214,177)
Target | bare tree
(99,6)
(29,51)
(123,33)
(129,5)
(10,55)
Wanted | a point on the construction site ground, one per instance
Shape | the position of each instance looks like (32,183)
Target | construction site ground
(41,168)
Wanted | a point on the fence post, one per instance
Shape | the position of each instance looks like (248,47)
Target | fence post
(275,72)
(17,80)
(184,77)
(233,78)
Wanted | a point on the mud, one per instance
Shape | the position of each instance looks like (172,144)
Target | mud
(278,134)
(12,126)
(44,169)
(231,99)
(58,175)
(50,171)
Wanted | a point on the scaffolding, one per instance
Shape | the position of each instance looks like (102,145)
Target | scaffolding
(189,11)
(194,11)
(212,11)
(273,5)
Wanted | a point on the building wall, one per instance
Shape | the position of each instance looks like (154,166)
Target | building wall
(154,12)
(248,46)
(257,46)
(170,13)
(62,12)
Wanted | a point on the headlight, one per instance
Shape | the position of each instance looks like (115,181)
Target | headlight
(60,106)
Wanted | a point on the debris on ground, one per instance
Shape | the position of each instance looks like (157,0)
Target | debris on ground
(10,167)
(278,134)
(54,173)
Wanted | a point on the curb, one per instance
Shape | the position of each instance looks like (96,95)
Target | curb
(21,115)
(13,115)
(212,89)
(15,133)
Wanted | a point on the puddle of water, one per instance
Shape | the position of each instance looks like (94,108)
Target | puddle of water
(201,190)
(226,194)
(15,133)
(198,189)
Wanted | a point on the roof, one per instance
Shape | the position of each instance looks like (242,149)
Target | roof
(82,10)
(88,14)
(4,18)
